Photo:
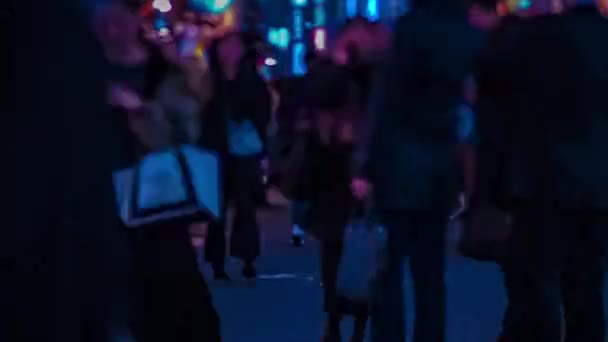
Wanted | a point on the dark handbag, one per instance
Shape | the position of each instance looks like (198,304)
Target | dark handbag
(485,234)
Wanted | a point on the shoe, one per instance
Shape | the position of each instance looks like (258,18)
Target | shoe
(249,271)
(297,241)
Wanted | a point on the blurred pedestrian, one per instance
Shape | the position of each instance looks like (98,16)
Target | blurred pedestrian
(410,162)
(234,125)
(554,179)
(154,106)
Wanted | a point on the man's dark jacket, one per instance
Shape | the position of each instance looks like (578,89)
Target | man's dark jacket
(557,128)
(410,156)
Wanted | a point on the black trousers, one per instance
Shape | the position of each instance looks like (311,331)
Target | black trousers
(240,187)
(171,299)
(555,274)
(418,236)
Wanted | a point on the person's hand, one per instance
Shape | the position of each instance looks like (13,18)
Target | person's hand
(124,98)
(361,188)
(462,205)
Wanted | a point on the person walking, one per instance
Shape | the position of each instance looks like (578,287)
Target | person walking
(155,105)
(234,124)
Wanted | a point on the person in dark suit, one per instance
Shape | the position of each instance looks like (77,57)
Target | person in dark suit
(412,164)
(494,68)
(555,178)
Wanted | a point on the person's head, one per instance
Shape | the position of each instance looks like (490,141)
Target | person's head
(483,14)
(117,26)
(360,40)
(230,49)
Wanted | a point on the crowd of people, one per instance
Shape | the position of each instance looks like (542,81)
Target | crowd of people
(457,107)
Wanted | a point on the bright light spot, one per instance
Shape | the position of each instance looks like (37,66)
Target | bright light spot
(270,61)
(163,32)
(217,6)
(229,17)
(298,63)
(372,9)
(200,51)
(279,37)
(320,38)
(283,38)
(299,3)
(163,6)
(273,36)
(351,8)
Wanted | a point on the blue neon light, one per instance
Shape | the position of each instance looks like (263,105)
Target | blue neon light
(299,3)
(213,6)
(372,9)
(351,8)
(298,65)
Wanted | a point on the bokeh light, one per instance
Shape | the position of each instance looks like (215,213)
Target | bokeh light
(213,6)
(163,6)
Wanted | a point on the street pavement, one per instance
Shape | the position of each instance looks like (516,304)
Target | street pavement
(284,303)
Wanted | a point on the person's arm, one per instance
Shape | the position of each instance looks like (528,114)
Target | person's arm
(147,120)
(151,126)
(263,107)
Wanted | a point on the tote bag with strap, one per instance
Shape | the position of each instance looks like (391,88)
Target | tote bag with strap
(177,184)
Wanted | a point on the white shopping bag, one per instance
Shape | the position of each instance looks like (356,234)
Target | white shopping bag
(180,183)
(364,249)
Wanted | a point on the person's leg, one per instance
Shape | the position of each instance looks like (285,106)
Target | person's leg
(517,319)
(197,318)
(539,244)
(245,238)
(331,254)
(215,246)
(584,277)
(176,301)
(427,260)
(387,311)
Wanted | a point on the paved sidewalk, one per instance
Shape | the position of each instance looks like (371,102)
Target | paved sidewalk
(284,305)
